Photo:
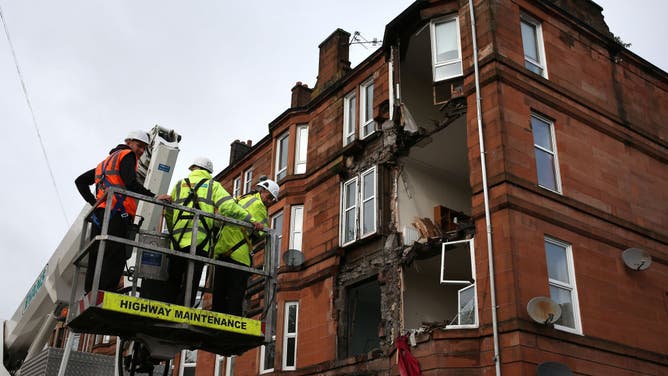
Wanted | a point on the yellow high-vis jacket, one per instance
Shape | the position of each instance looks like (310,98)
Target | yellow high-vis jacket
(232,241)
(211,197)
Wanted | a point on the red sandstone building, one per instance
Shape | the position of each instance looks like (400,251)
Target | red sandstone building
(384,191)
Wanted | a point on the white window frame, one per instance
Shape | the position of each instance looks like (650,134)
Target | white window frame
(183,365)
(296,227)
(540,46)
(363,200)
(279,235)
(236,187)
(345,209)
(553,153)
(218,367)
(262,356)
(248,180)
(301,148)
(571,285)
(289,335)
(349,118)
(438,64)
(279,150)
(464,283)
(363,110)
(106,339)
(358,207)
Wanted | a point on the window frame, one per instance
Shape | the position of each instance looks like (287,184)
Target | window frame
(183,365)
(434,55)
(236,186)
(362,201)
(349,123)
(248,180)
(571,285)
(465,284)
(279,234)
(293,230)
(279,150)
(288,335)
(300,165)
(358,207)
(363,109)
(537,27)
(344,209)
(554,153)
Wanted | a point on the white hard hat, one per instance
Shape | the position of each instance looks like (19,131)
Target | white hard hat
(269,185)
(138,136)
(204,163)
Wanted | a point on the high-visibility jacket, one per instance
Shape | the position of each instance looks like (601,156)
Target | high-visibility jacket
(108,174)
(232,236)
(211,197)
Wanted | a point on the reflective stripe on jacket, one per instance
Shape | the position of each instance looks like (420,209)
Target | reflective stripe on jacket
(231,235)
(108,174)
(212,198)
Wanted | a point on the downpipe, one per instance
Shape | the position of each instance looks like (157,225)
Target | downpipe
(488,218)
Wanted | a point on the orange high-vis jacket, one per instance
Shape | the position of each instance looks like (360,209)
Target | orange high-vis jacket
(108,174)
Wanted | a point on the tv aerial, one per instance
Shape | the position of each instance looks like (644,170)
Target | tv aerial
(293,257)
(543,310)
(636,258)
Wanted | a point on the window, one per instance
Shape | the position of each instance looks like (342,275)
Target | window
(561,275)
(349,119)
(188,363)
(446,49)
(358,197)
(248,180)
(362,317)
(301,148)
(282,156)
(277,225)
(545,149)
(220,366)
(532,43)
(236,190)
(458,272)
(267,352)
(290,336)
(296,226)
(367,125)
(106,339)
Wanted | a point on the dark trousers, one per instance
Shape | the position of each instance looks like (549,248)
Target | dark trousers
(115,255)
(178,270)
(229,289)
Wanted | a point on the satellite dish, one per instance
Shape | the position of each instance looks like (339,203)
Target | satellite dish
(293,257)
(553,369)
(636,258)
(543,310)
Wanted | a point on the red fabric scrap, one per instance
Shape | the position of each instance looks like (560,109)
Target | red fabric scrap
(408,364)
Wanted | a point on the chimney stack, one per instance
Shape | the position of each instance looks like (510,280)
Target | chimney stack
(238,150)
(301,95)
(334,59)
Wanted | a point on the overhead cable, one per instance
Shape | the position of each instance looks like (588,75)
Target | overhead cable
(32,114)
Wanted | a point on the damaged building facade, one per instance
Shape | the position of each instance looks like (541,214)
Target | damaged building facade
(384,192)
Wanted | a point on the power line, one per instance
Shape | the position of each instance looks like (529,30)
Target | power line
(32,114)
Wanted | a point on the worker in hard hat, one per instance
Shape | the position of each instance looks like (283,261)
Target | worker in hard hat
(234,246)
(200,191)
(118,169)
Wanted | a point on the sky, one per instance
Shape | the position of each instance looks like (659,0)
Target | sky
(214,71)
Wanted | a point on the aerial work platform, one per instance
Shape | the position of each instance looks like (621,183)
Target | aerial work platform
(125,316)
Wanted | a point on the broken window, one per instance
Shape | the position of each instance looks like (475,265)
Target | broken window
(440,290)
(188,363)
(362,317)
(359,206)
(446,49)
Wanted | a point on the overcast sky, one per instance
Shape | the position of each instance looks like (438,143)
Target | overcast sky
(214,71)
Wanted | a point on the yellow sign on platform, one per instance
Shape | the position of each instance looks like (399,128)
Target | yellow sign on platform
(176,313)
